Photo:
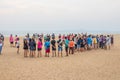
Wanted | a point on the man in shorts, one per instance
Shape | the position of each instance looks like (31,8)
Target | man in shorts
(60,48)
(53,44)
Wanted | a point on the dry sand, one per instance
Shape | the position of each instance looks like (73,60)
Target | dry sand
(90,65)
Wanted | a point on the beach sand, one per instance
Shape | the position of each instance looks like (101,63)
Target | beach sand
(90,65)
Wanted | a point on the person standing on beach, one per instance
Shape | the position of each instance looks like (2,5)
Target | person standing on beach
(39,46)
(78,44)
(71,46)
(60,48)
(82,44)
(53,44)
(108,42)
(94,42)
(25,47)
(89,42)
(32,45)
(66,45)
(1,45)
(18,45)
(11,41)
(47,48)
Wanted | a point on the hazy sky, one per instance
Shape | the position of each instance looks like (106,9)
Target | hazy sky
(63,15)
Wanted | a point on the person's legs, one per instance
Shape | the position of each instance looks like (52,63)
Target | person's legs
(40,53)
(48,54)
(34,54)
(95,46)
(58,51)
(66,48)
(0,49)
(24,53)
(72,50)
(55,53)
(61,52)
(52,53)
(69,50)
(45,52)
(109,47)
(30,53)
(18,50)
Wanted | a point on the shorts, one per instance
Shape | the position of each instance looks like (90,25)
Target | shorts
(75,46)
(82,45)
(89,45)
(11,42)
(39,49)
(32,49)
(53,49)
(66,49)
(71,48)
(25,48)
(78,46)
(18,46)
(60,49)
(48,50)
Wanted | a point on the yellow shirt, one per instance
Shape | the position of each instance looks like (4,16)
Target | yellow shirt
(94,40)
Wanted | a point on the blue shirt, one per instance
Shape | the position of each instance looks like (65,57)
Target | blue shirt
(78,42)
(89,40)
(66,43)
(47,44)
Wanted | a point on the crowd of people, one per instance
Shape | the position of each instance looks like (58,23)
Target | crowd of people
(70,43)
(37,45)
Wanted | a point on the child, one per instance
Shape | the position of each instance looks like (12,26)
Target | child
(108,42)
(25,47)
(60,44)
(71,46)
(47,48)
(39,47)
(1,45)
(18,45)
(11,40)
(66,45)
(32,47)
(53,43)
